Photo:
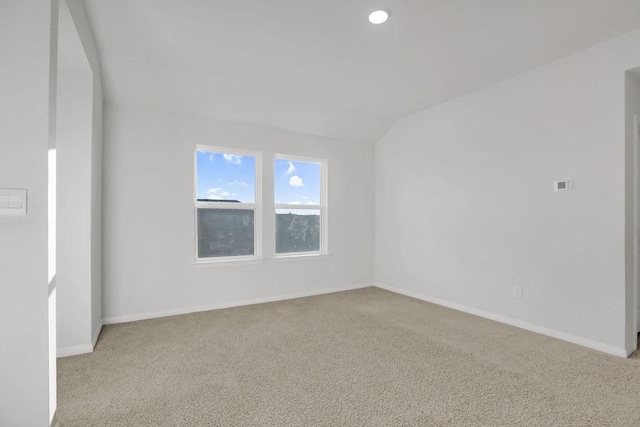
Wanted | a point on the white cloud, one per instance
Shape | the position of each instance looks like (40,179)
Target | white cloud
(232,158)
(296,181)
(218,193)
(212,157)
(240,183)
(295,203)
(291,169)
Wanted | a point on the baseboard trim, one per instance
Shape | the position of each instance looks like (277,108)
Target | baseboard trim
(96,335)
(74,351)
(605,348)
(632,349)
(239,303)
(81,349)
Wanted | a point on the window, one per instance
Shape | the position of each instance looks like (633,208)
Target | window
(227,204)
(300,205)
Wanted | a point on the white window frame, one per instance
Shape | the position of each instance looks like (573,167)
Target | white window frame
(256,207)
(323,207)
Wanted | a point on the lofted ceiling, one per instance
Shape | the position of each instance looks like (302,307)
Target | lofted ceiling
(319,67)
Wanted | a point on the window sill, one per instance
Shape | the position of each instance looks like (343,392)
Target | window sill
(226,262)
(292,257)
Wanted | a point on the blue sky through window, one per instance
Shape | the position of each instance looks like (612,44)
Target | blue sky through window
(297,182)
(226,176)
(223,176)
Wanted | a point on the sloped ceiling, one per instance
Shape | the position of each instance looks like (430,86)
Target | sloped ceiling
(319,67)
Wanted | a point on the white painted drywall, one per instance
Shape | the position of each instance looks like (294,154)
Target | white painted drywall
(73,146)
(96,195)
(79,140)
(25,36)
(149,217)
(632,108)
(465,208)
(85,32)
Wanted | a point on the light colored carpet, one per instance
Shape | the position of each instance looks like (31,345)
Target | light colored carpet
(360,358)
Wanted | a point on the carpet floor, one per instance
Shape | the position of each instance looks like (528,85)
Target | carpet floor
(359,358)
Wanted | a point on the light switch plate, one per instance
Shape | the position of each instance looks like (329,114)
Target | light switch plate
(13,201)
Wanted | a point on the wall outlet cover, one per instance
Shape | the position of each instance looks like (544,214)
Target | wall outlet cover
(517,292)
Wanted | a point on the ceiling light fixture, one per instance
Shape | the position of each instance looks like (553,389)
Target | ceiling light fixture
(379,16)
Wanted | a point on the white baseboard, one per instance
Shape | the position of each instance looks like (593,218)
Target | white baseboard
(96,334)
(75,350)
(605,348)
(218,306)
(81,349)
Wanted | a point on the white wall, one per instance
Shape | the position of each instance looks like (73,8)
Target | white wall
(465,209)
(632,107)
(24,132)
(79,140)
(85,32)
(96,197)
(73,147)
(149,217)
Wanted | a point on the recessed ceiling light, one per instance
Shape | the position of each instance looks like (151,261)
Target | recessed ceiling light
(379,16)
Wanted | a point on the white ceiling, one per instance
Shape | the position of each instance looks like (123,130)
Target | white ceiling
(319,67)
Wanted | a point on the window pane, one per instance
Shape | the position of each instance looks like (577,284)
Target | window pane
(297,182)
(297,230)
(225,232)
(225,177)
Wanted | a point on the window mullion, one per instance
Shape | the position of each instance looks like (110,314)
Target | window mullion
(222,205)
(303,207)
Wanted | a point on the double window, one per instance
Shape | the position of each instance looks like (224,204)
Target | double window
(229,208)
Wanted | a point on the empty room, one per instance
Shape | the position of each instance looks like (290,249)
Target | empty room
(319,213)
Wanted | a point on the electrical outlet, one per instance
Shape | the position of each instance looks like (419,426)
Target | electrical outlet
(517,291)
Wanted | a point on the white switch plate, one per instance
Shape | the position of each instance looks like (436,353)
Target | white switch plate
(13,202)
